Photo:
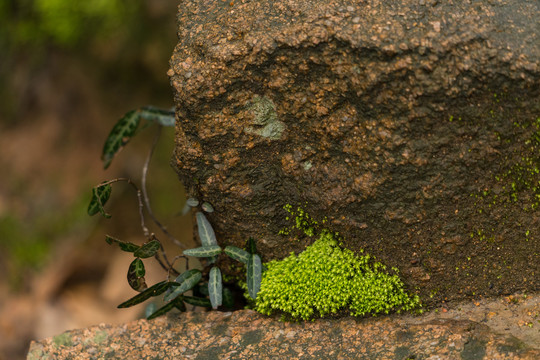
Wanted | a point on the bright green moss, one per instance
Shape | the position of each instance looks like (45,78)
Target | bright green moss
(325,279)
(302,221)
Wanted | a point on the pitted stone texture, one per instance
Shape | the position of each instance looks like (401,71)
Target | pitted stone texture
(408,124)
(249,335)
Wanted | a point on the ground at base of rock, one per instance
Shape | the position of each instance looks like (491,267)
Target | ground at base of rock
(503,328)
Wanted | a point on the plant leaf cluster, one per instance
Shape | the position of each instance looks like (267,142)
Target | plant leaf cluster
(128,126)
(206,293)
(210,251)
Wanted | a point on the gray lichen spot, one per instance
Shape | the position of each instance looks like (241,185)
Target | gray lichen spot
(36,353)
(307,165)
(266,120)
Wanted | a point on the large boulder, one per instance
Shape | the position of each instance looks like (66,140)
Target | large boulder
(412,126)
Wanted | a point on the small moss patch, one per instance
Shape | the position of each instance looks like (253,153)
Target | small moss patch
(325,279)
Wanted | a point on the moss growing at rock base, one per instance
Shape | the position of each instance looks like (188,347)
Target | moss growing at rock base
(325,279)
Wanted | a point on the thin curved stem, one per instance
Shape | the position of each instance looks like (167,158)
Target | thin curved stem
(140,200)
(145,193)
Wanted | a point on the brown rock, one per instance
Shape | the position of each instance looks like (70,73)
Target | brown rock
(249,335)
(405,123)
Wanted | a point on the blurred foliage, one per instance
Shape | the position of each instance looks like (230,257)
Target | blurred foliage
(63,22)
(124,43)
(64,49)
(29,247)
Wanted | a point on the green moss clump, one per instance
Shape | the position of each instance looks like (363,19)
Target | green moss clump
(302,221)
(325,279)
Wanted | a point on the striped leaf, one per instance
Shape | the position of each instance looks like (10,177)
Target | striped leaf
(187,275)
(197,301)
(135,275)
(254,275)
(154,290)
(162,310)
(179,303)
(120,135)
(187,280)
(147,250)
(251,247)
(203,251)
(123,245)
(237,254)
(206,232)
(228,298)
(215,287)
(100,195)
(161,116)
(201,289)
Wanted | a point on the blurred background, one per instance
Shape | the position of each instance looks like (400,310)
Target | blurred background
(68,71)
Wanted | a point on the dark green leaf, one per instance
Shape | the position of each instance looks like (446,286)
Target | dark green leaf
(251,248)
(197,301)
(201,289)
(148,250)
(206,232)
(162,116)
(179,303)
(154,290)
(254,275)
(203,251)
(100,195)
(228,298)
(135,275)
(161,311)
(215,287)
(237,254)
(187,281)
(123,245)
(119,136)
(187,275)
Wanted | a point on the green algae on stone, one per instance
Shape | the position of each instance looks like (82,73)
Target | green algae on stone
(63,339)
(325,279)
(100,337)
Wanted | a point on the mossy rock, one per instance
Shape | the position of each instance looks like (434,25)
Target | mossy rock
(325,279)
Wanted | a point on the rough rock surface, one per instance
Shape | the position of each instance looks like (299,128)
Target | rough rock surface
(413,126)
(248,335)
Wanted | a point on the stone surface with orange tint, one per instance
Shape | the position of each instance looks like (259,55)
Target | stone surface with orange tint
(413,126)
(248,335)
